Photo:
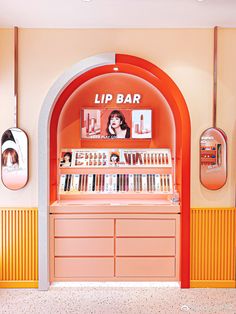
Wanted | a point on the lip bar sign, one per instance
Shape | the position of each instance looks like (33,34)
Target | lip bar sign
(119,98)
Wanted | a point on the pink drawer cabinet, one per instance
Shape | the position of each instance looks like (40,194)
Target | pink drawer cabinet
(145,267)
(84,247)
(145,227)
(114,247)
(83,227)
(145,246)
(84,267)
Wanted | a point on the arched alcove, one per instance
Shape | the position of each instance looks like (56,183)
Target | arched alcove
(64,91)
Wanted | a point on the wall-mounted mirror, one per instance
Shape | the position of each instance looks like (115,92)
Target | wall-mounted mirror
(14,152)
(213,159)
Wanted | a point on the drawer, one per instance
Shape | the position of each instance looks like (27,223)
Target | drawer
(145,246)
(84,247)
(145,227)
(83,267)
(83,227)
(145,267)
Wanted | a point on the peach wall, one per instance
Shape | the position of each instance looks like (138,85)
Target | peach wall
(185,54)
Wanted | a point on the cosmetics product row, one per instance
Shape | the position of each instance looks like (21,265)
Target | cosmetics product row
(115,158)
(211,155)
(114,183)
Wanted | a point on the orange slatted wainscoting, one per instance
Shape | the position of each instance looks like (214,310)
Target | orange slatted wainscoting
(18,247)
(213,247)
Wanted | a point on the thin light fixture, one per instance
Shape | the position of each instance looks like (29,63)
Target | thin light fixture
(116,69)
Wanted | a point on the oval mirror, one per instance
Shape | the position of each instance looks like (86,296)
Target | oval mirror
(213,159)
(14,152)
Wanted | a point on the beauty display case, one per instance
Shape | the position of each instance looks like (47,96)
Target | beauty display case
(115,207)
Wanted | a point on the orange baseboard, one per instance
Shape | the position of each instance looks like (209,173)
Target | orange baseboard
(212,284)
(18,284)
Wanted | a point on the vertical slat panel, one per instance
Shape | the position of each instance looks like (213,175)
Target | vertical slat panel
(231,251)
(198,255)
(33,245)
(1,246)
(192,243)
(18,247)
(234,246)
(219,243)
(10,228)
(30,260)
(204,252)
(20,244)
(23,244)
(234,249)
(6,247)
(213,239)
(14,244)
(26,245)
(229,243)
(36,245)
(226,245)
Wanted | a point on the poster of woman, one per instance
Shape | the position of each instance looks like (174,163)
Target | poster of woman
(66,159)
(14,148)
(115,123)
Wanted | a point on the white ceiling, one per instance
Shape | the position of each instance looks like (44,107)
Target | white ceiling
(117,13)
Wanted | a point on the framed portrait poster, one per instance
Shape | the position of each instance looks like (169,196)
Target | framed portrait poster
(14,158)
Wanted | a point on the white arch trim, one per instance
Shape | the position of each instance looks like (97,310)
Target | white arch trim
(43,156)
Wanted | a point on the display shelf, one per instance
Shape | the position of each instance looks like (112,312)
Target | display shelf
(103,158)
(115,205)
(114,170)
(115,183)
(127,173)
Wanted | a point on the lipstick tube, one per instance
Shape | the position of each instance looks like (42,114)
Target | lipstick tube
(144,182)
(157,182)
(168,182)
(156,159)
(92,124)
(152,160)
(145,158)
(167,159)
(141,124)
(62,182)
(161,183)
(87,123)
(131,182)
(133,159)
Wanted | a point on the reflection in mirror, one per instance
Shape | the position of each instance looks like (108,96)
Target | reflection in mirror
(14,151)
(213,159)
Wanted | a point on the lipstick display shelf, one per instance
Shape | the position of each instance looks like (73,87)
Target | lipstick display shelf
(115,171)
(210,155)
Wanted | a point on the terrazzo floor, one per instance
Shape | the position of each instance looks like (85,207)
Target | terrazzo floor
(117,300)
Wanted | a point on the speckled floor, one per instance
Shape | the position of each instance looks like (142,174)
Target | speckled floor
(118,300)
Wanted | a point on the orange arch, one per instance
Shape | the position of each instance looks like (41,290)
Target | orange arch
(183,135)
(158,78)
